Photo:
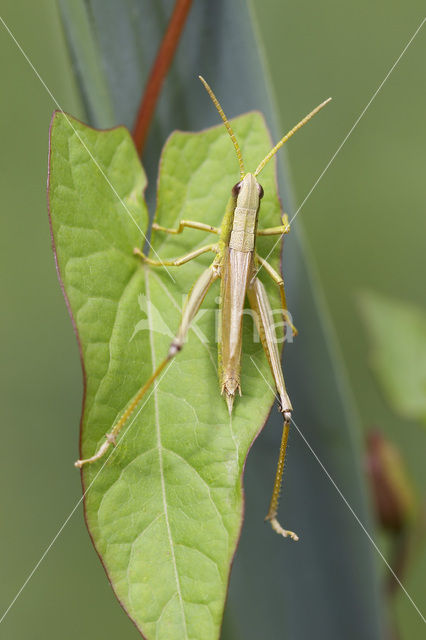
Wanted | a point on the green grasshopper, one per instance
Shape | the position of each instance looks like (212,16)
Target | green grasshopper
(236,263)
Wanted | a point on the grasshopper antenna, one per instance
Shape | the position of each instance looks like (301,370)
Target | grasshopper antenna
(227,125)
(289,134)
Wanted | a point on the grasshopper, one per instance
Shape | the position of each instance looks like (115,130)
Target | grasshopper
(236,263)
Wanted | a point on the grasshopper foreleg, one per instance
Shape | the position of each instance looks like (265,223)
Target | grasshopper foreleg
(259,302)
(186,223)
(177,262)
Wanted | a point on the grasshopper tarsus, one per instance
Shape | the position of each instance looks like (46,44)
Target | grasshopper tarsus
(286,533)
(99,454)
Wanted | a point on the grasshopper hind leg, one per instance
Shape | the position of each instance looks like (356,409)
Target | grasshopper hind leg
(193,303)
(259,302)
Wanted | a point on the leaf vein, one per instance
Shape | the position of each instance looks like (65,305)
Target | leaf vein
(160,456)
(205,484)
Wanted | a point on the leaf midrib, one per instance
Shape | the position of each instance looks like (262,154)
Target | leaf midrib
(160,455)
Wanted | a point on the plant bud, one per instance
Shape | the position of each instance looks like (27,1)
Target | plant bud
(393,495)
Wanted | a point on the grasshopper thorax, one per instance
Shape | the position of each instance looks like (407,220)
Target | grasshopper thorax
(248,193)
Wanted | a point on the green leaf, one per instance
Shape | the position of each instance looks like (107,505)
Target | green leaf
(398,337)
(333,567)
(165,509)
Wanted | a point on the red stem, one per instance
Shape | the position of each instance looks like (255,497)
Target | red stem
(159,71)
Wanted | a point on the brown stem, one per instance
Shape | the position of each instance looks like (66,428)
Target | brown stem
(159,71)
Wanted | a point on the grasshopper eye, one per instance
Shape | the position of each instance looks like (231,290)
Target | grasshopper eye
(261,192)
(236,189)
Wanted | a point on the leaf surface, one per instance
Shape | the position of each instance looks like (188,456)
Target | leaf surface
(165,508)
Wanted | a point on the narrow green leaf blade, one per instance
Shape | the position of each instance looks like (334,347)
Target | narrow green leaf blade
(398,336)
(165,509)
(87,62)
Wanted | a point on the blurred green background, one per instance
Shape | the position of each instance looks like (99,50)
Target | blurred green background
(365,224)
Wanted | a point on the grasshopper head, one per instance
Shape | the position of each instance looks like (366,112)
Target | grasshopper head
(248,192)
